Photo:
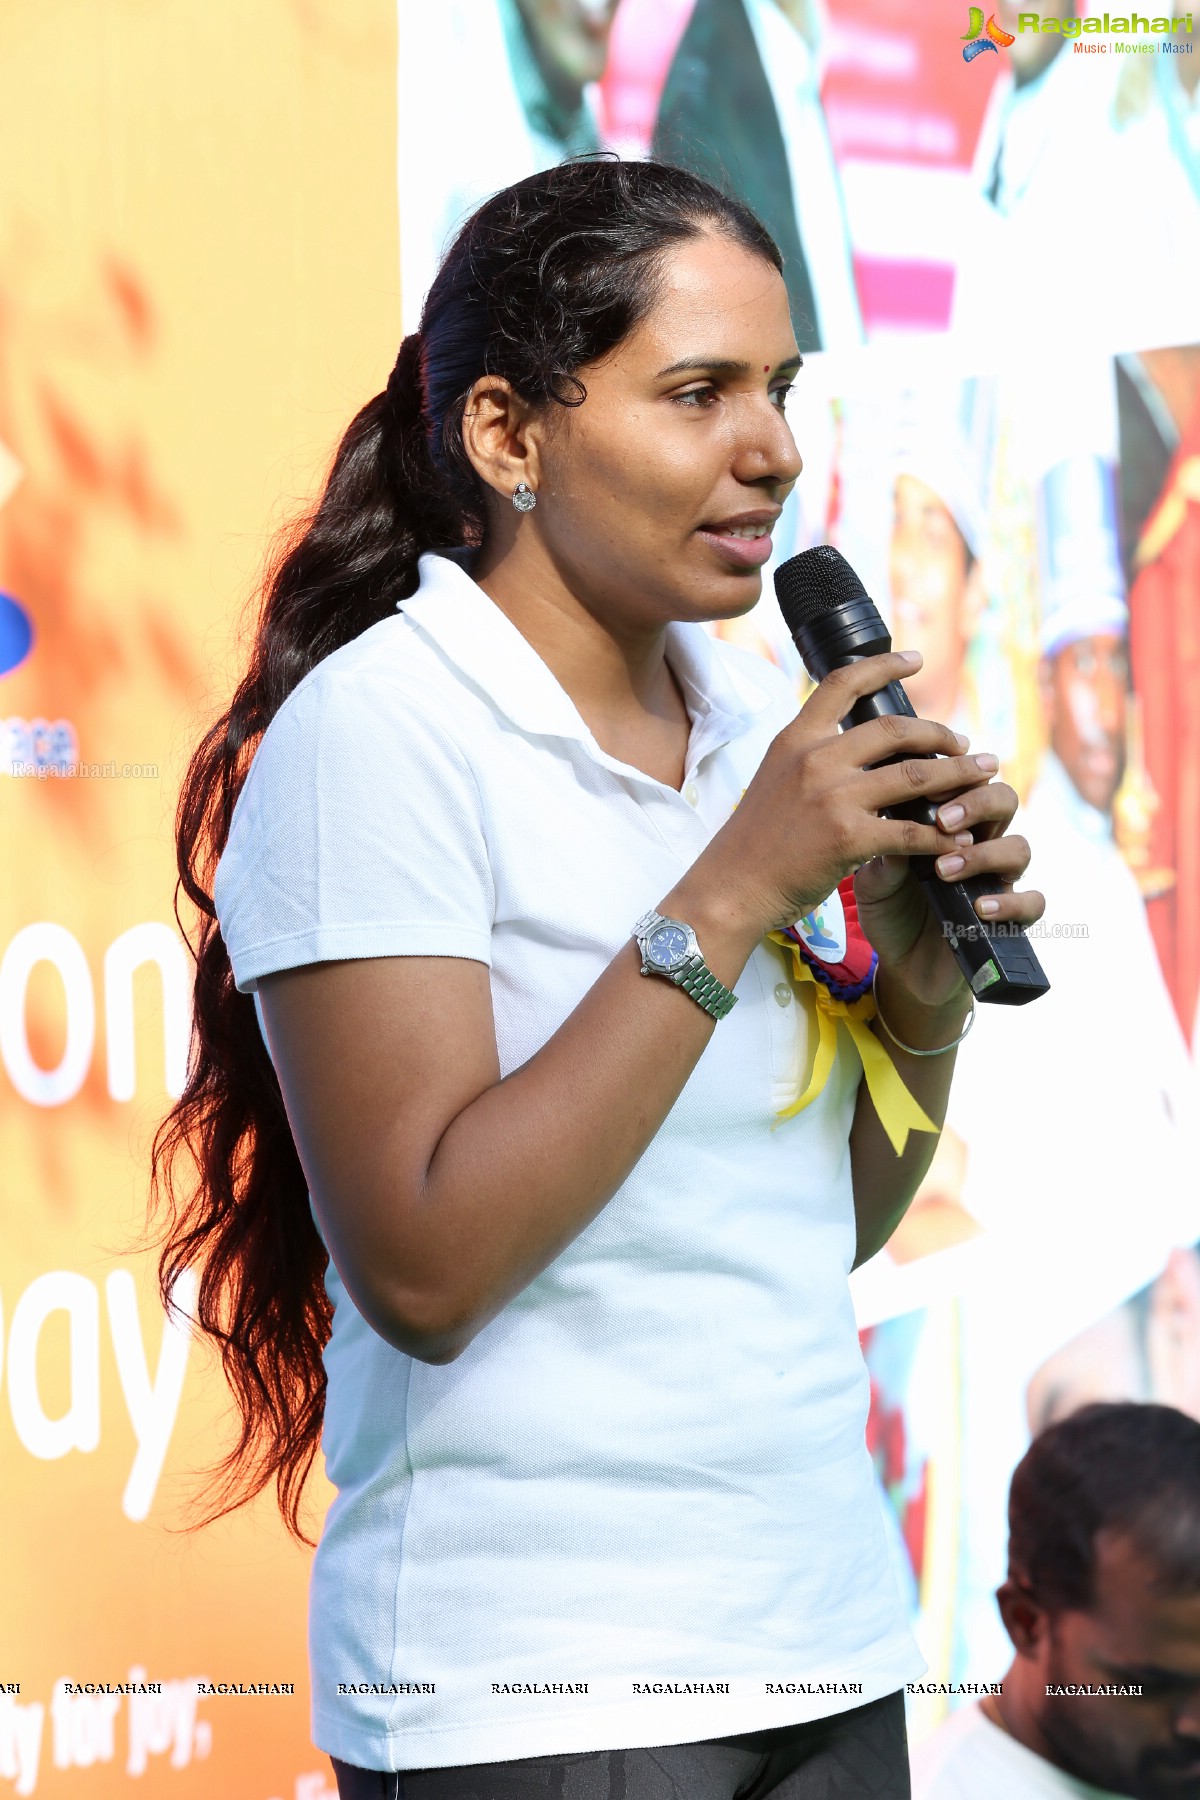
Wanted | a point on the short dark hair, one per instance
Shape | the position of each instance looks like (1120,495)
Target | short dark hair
(1121,1467)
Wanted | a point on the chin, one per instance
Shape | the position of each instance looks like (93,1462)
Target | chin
(718,594)
(1098,787)
(737,609)
(1100,795)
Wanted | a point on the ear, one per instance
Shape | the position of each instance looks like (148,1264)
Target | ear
(499,436)
(1024,1620)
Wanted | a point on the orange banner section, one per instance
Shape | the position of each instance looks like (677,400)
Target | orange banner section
(198,287)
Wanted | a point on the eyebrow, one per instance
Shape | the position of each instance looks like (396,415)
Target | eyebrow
(723,365)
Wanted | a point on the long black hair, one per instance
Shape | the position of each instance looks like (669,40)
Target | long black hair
(543,279)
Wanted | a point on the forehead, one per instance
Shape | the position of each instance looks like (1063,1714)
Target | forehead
(1134,1616)
(716,299)
(917,496)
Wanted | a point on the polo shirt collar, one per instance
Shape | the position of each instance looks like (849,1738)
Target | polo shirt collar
(485,646)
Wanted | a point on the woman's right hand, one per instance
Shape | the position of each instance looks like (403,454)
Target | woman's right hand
(811,814)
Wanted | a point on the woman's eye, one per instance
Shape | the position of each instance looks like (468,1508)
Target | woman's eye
(700,398)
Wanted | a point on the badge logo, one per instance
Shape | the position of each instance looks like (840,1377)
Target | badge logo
(823,930)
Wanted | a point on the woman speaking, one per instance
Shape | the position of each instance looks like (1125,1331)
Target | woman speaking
(503,1215)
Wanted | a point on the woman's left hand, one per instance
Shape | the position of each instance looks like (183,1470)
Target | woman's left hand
(897,919)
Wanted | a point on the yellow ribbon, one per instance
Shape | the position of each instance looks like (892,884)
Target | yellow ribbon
(898,1112)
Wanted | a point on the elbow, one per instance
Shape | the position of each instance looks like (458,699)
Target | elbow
(435,1351)
(430,1331)
(411,1299)
(427,1346)
(438,1347)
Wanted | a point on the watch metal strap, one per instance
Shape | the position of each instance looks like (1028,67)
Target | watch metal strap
(698,980)
(694,976)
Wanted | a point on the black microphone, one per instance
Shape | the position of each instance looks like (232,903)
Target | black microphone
(834,622)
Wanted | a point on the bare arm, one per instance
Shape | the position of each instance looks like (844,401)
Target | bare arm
(884,1183)
(937,1218)
(443,1190)
(923,996)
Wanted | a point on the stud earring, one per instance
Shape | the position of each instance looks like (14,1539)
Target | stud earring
(524,499)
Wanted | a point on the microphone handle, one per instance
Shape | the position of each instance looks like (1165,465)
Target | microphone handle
(996,958)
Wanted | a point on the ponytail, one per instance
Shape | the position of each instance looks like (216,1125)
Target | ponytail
(261,1296)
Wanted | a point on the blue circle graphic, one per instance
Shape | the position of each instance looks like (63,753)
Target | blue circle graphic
(16,633)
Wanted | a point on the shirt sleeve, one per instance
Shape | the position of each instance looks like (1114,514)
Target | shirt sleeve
(358,832)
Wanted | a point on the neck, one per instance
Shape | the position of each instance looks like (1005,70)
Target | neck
(1015,1710)
(614,669)
(598,661)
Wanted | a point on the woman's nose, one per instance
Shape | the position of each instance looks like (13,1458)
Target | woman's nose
(766,448)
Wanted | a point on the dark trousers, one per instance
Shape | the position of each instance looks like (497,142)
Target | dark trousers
(857,1755)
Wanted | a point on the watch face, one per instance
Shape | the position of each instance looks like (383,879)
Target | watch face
(667,947)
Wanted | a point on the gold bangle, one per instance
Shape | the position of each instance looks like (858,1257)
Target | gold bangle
(909,1048)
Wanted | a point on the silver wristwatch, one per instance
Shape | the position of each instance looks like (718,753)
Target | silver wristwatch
(669,948)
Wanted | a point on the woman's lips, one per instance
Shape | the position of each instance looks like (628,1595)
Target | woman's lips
(742,552)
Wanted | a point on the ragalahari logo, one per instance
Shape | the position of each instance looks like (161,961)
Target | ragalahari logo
(993,39)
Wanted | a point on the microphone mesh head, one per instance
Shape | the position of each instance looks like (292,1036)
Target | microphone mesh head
(815,582)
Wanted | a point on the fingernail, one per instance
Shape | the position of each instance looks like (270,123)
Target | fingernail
(950,816)
(989,906)
(987,761)
(950,865)
(961,740)
(963,837)
(909,656)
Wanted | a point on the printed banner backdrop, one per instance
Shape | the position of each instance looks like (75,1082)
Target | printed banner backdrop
(215,225)
(198,282)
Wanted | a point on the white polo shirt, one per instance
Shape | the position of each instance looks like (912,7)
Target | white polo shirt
(969,1758)
(638,1509)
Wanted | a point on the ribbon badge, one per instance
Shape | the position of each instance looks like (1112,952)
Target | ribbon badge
(829,949)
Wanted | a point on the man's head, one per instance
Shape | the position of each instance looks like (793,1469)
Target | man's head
(1084,622)
(1103,1591)
(937,594)
(1085,684)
